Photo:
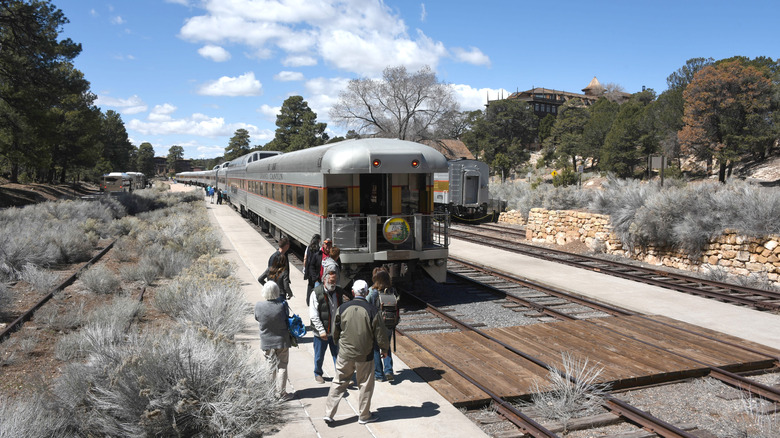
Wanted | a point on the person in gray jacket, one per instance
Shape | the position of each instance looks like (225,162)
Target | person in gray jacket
(358,326)
(271,315)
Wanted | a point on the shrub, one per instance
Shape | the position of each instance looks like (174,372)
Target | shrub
(208,264)
(563,399)
(169,384)
(124,249)
(35,415)
(61,318)
(566,177)
(41,280)
(100,280)
(215,303)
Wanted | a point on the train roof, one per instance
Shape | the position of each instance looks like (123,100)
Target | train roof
(358,156)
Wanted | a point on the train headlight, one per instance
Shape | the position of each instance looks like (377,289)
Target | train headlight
(376,163)
(415,163)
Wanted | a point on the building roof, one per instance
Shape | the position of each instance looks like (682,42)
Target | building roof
(450,148)
(593,86)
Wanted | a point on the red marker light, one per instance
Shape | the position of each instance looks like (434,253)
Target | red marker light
(376,163)
(415,163)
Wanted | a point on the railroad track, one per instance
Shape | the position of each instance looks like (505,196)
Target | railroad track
(28,314)
(502,289)
(734,294)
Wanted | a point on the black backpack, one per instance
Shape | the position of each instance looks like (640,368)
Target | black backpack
(388,308)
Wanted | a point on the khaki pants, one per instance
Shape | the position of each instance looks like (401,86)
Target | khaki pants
(277,361)
(365,380)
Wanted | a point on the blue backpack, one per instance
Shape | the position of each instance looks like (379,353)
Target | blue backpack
(295,324)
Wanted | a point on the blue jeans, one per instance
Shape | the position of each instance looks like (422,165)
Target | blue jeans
(320,346)
(384,366)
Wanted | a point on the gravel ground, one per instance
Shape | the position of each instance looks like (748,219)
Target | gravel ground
(706,404)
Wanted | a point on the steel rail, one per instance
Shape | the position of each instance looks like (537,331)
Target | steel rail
(727,377)
(522,421)
(621,408)
(580,261)
(673,275)
(606,308)
(26,316)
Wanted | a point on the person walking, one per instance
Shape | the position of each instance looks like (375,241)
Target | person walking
(311,250)
(271,315)
(357,328)
(314,264)
(383,365)
(279,268)
(325,301)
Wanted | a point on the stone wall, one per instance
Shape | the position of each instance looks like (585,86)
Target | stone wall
(738,255)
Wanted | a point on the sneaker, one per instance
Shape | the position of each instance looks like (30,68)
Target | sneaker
(328,420)
(389,377)
(319,379)
(370,419)
(286,397)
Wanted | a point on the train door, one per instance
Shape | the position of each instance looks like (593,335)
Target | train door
(471,187)
(375,194)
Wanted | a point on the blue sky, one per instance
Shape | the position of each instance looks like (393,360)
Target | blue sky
(191,72)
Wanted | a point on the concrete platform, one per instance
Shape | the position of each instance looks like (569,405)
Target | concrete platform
(406,407)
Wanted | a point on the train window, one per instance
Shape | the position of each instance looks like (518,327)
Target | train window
(289,195)
(314,201)
(299,197)
(338,202)
(410,194)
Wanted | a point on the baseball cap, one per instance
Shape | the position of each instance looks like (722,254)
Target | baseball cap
(360,287)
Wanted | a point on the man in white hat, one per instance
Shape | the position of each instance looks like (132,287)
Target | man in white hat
(358,325)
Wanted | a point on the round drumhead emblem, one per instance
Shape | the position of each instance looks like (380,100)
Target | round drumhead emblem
(396,230)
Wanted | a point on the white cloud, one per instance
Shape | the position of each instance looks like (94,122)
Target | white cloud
(214,53)
(286,76)
(93,13)
(356,36)
(132,105)
(161,113)
(322,94)
(117,20)
(472,56)
(299,61)
(244,85)
(196,125)
(423,12)
(269,112)
(471,99)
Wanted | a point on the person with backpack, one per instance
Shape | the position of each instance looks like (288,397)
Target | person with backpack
(271,316)
(383,296)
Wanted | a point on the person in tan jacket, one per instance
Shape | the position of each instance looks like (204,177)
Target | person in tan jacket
(357,327)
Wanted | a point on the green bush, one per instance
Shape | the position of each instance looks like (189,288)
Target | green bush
(566,177)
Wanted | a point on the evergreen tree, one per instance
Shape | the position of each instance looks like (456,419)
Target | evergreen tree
(297,127)
(238,146)
(145,159)
(631,137)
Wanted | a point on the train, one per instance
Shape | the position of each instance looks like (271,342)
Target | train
(122,182)
(373,197)
(462,191)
